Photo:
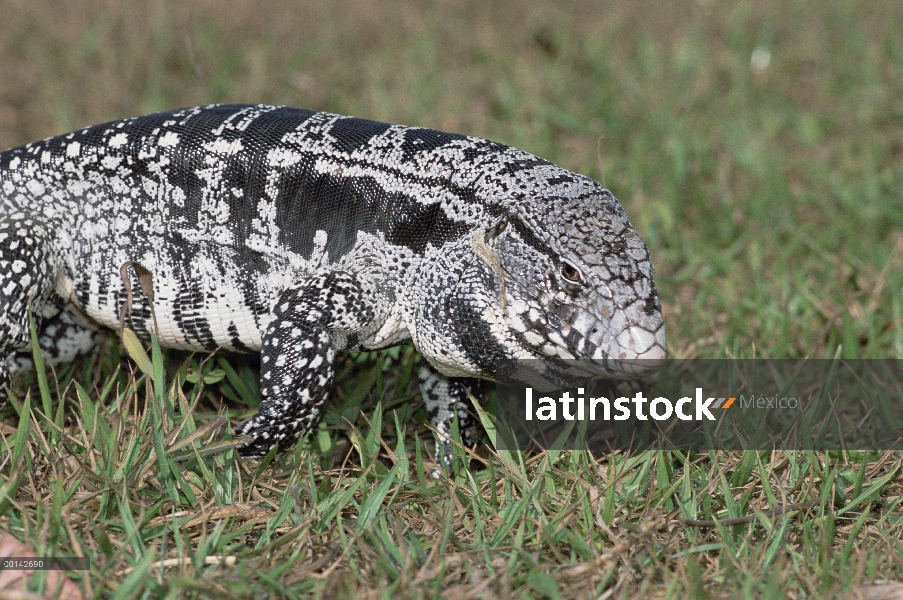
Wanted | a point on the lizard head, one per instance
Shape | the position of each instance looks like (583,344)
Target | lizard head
(575,279)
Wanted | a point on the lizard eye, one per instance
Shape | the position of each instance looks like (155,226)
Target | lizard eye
(570,273)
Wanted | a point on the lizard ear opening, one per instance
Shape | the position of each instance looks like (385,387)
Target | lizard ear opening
(494,231)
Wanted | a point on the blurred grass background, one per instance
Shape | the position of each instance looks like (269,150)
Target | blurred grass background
(757,146)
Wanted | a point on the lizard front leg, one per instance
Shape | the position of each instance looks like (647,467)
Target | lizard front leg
(29,274)
(62,339)
(314,320)
(445,399)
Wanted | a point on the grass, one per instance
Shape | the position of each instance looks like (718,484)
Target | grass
(769,195)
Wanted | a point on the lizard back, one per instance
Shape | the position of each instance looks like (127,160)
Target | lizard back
(229,205)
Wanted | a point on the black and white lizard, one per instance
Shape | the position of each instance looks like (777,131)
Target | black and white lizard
(300,234)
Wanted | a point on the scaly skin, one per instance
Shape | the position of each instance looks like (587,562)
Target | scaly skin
(302,234)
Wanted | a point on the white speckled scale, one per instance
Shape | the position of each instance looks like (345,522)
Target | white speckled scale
(302,234)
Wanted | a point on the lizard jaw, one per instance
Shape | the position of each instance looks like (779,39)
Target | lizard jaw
(635,352)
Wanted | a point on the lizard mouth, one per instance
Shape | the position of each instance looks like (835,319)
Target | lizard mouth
(589,344)
(635,351)
(625,362)
(632,353)
(616,347)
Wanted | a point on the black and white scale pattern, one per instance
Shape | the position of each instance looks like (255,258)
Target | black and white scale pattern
(302,234)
